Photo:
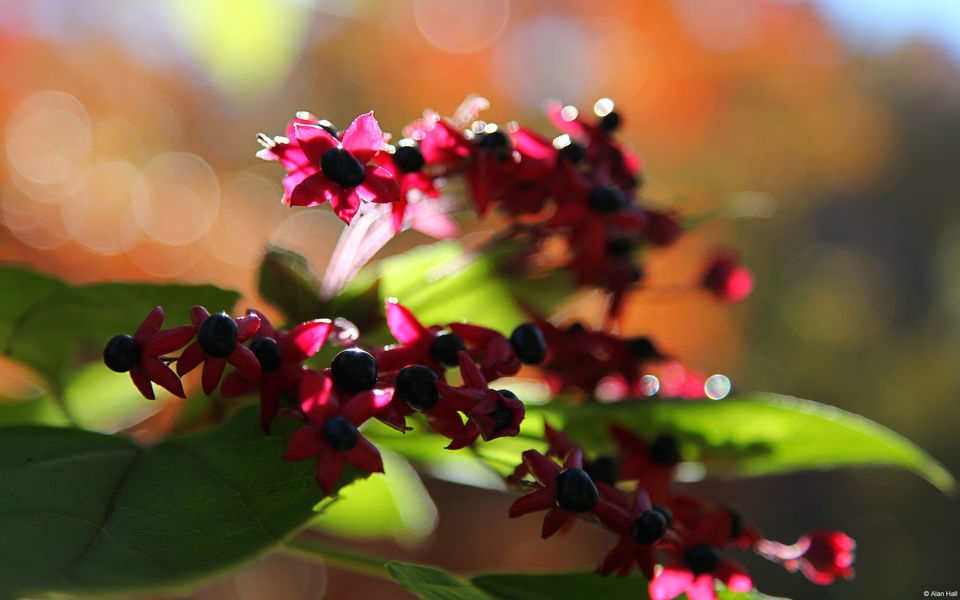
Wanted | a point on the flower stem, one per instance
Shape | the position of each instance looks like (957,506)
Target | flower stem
(317,551)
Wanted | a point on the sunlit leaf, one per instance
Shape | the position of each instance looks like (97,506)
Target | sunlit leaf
(756,435)
(442,283)
(91,513)
(392,504)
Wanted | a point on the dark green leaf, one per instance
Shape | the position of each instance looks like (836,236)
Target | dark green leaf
(48,332)
(557,586)
(91,513)
(288,282)
(756,435)
(433,584)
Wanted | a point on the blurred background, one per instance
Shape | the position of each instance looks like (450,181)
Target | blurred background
(826,133)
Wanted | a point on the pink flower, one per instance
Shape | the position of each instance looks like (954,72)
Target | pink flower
(322,168)
(220,341)
(697,560)
(281,355)
(330,433)
(821,555)
(140,354)
(490,413)
(564,492)
(726,278)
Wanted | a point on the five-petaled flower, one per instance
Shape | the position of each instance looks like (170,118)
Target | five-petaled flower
(331,433)
(140,354)
(220,341)
(281,355)
(697,560)
(564,492)
(821,555)
(322,168)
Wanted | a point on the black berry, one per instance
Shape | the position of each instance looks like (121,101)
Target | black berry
(121,353)
(527,341)
(217,335)
(620,247)
(666,512)
(341,434)
(445,349)
(606,200)
(664,451)
(573,152)
(605,469)
(502,416)
(268,353)
(415,386)
(649,527)
(494,140)
(574,491)
(610,121)
(408,159)
(642,348)
(354,370)
(702,559)
(342,168)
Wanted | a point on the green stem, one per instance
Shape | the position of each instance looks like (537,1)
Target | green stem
(318,551)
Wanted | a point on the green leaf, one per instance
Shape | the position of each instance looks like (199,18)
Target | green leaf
(287,281)
(760,434)
(434,584)
(394,504)
(90,513)
(443,283)
(44,321)
(555,586)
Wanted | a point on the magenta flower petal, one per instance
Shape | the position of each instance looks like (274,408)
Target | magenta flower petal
(365,456)
(304,340)
(151,324)
(212,371)
(670,583)
(247,325)
(246,361)
(143,383)
(363,138)
(156,370)
(314,140)
(701,588)
(290,184)
(162,342)
(316,396)
(360,408)
(553,521)
(344,201)
(190,358)
(541,499)
(403,325)
(305,442)
(311,191)
(378,185)
(329,469)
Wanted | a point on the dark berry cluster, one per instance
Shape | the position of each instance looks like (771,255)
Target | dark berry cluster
(580,188)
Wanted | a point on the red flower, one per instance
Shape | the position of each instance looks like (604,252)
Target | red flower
(220,341)
(652,464)
(640,532)
(331,431)
(418,344)
(490,348)
(821,555)
(325,169)
(490,413)
(726,278)
(697,560)
(564,492)
(140,354)
(281,355)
